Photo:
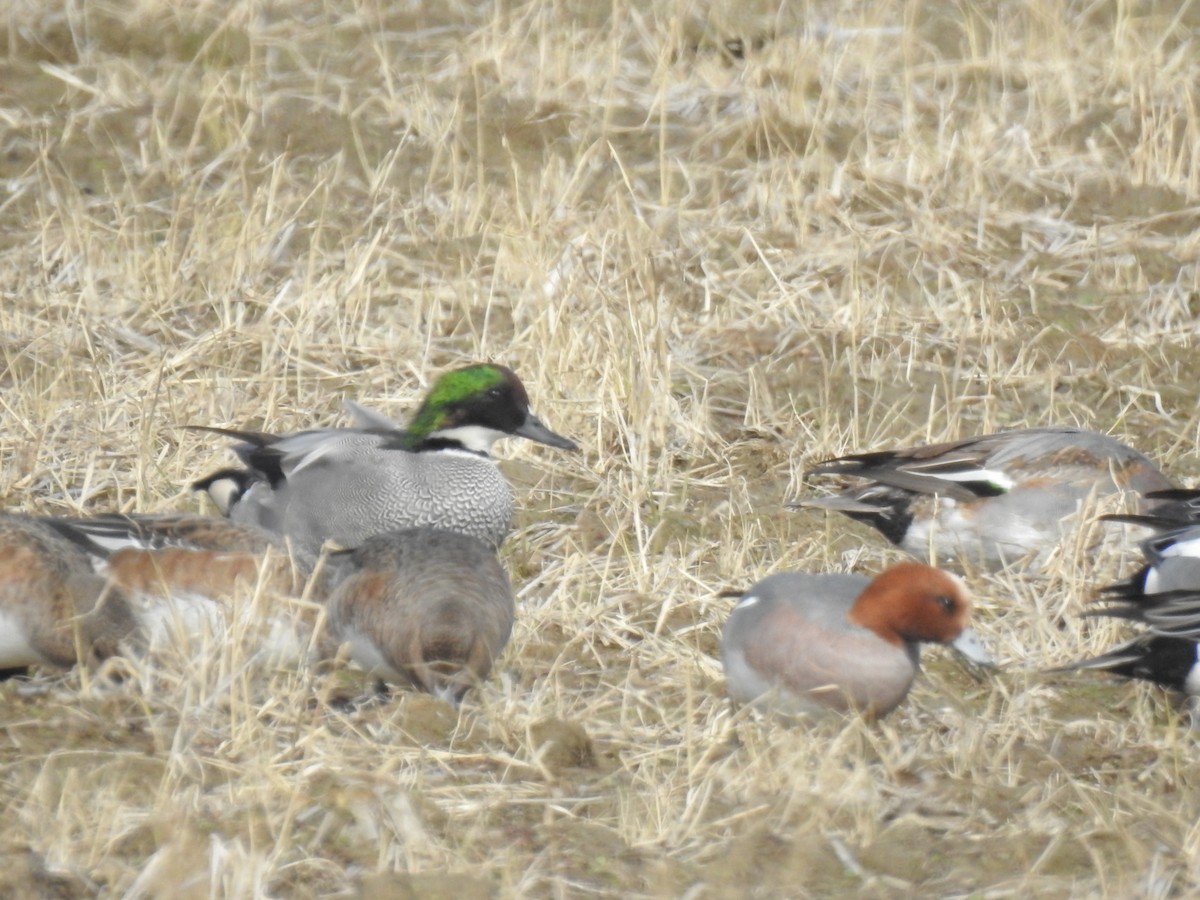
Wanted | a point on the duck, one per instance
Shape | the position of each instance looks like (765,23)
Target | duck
(345,485)
(995,499)
(1163,595)
(54,609)
(422,607)
(1172,552)
(1169,662)
(1167,652)
(799,642)
(176,554)
(225,487)
(185,574)
(1172,563)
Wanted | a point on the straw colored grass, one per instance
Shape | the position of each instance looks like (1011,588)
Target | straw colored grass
(718,241)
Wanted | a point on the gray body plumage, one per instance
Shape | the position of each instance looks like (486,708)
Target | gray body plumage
(787,642)
(993,499)
(346,487)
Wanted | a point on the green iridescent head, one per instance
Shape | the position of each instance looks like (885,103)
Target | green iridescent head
(474,406)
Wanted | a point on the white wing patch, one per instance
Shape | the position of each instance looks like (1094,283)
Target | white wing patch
(992,476)
(747,601)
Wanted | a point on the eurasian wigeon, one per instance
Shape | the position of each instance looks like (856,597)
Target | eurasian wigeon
(428,608)
(993,499)
(52,603)
(346,485)
(799,642)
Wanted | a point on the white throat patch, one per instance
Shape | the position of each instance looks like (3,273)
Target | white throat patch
(477,438)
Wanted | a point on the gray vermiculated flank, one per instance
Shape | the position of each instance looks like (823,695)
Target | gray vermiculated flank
(365,491)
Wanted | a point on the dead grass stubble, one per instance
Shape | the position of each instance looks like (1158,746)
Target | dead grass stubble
(718,242)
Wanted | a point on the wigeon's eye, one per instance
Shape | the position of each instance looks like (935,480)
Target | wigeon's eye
(946,602)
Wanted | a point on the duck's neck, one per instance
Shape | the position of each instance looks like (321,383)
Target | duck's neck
(873,610)
(475,439)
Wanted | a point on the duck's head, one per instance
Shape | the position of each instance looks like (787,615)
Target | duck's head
(911,603)
(475,406)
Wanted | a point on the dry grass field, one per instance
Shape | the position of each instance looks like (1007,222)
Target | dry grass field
(719,241)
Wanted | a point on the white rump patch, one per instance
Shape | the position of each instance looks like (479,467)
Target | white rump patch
(1183,548)
(1191,684)
(1152,582)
